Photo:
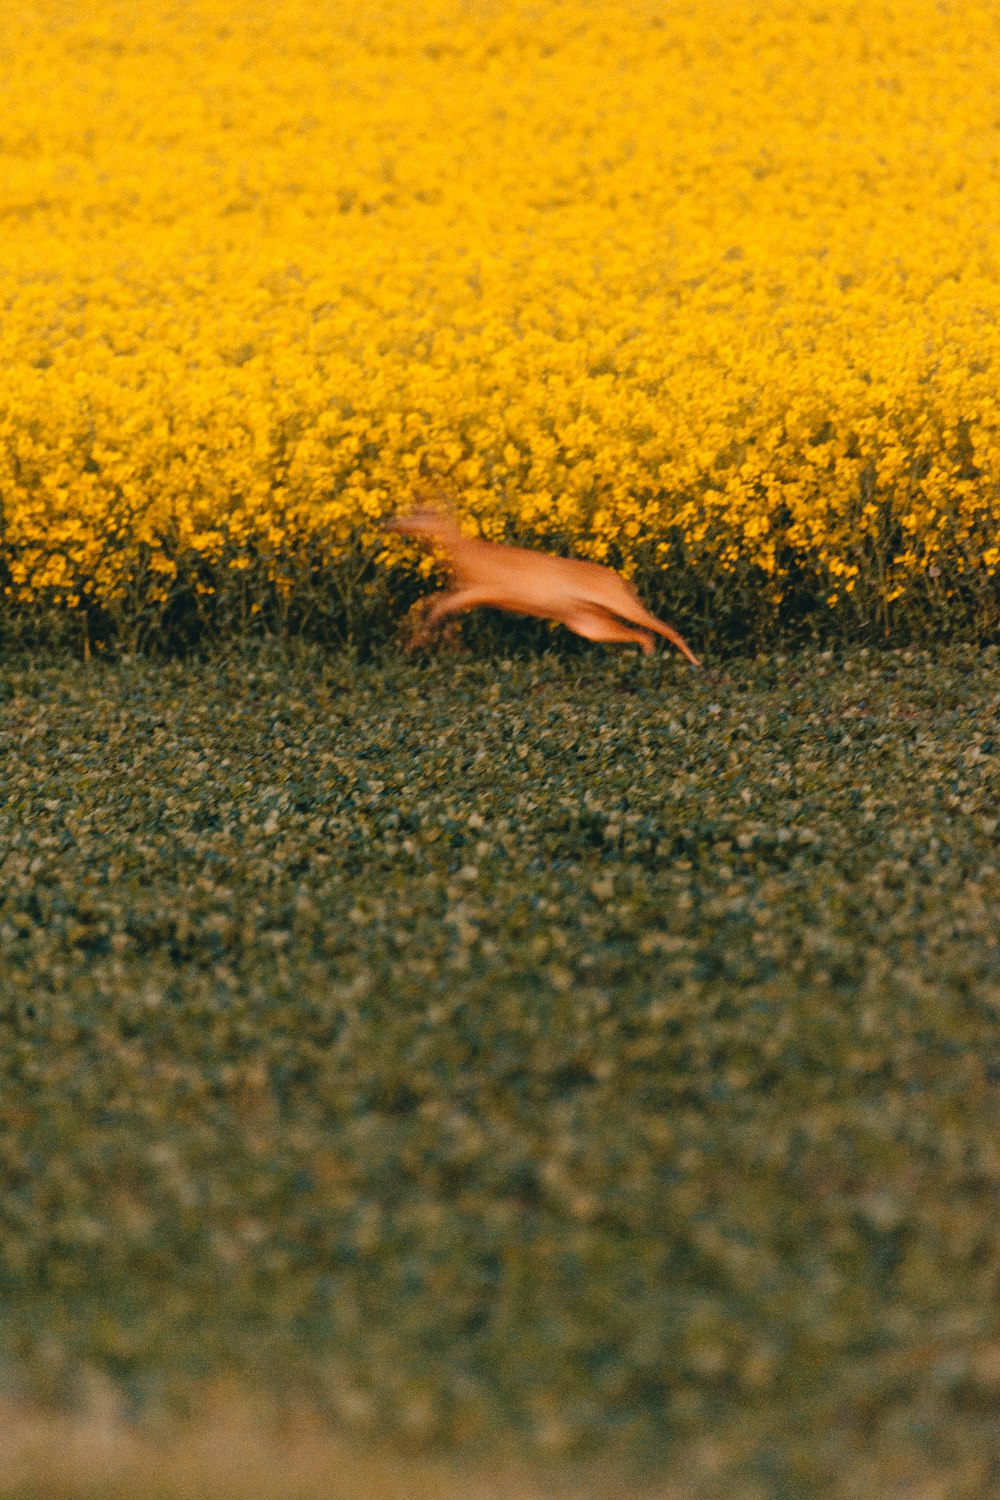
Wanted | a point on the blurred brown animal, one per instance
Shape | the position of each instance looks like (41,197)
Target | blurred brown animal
(588,598)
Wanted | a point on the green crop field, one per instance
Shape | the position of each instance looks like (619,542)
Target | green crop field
(570,1056)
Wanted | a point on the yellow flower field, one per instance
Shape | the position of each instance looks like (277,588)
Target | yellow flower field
(712,289)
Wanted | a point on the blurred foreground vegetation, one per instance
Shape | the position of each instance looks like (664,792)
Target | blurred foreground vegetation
(577,1057)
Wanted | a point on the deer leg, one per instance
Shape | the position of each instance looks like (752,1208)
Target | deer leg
(640,615)
(676,640)
(595,624)
(449,602)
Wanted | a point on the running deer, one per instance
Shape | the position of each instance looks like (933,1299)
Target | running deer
(590,599)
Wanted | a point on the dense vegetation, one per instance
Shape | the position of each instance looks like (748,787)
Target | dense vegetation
(662,284)
(579,1053)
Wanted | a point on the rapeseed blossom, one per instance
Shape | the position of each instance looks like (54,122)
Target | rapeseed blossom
(715,290)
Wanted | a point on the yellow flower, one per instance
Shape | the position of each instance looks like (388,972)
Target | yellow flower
(613,275)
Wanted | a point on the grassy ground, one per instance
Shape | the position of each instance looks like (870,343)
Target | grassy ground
(567,1057)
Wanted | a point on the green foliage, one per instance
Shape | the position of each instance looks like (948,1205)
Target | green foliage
(358,601)
(581,1052)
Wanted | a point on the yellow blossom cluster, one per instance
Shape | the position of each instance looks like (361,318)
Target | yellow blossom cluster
(712,289)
